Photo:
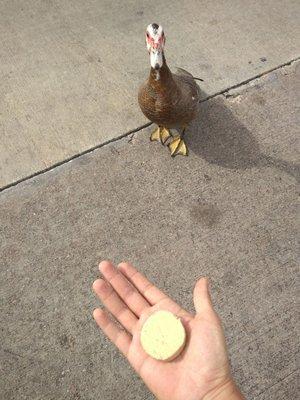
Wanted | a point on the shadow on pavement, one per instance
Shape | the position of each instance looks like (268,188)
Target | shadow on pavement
(220,138)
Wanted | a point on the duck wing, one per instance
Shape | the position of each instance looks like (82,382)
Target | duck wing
(183,72)
(181,75)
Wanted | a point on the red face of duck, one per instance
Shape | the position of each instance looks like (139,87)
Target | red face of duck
(155,39)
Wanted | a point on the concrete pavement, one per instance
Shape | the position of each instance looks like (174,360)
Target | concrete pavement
(70,70)
(227,211)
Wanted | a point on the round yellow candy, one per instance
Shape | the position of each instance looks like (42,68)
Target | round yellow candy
(163,336)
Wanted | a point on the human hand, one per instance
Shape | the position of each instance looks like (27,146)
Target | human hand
(201,371)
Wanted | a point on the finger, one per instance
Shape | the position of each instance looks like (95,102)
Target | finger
(115,305)
(134,300)
(151,293)
(116,335)
(202,300)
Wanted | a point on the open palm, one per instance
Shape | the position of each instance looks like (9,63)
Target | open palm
(203,365)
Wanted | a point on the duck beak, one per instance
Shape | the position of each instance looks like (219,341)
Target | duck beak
(156,59)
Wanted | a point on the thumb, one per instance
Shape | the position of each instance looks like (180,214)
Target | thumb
(202,300)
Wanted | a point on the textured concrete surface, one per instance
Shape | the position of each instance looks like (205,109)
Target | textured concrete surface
(70,70)
(227,211)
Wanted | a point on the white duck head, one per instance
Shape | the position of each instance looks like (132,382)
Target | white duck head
(155,40)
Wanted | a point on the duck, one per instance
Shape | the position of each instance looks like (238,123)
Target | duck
(169,100)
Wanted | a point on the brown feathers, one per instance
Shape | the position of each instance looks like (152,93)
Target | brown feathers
(167,99)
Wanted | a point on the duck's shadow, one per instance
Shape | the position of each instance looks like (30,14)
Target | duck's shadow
(220,138)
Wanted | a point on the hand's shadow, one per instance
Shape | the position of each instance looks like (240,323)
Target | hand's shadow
(220,138)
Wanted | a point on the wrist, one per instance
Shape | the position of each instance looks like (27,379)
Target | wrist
(226,391)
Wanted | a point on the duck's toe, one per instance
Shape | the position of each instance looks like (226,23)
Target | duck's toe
(160,135)
(165,135)
(155,135)
(178,146)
